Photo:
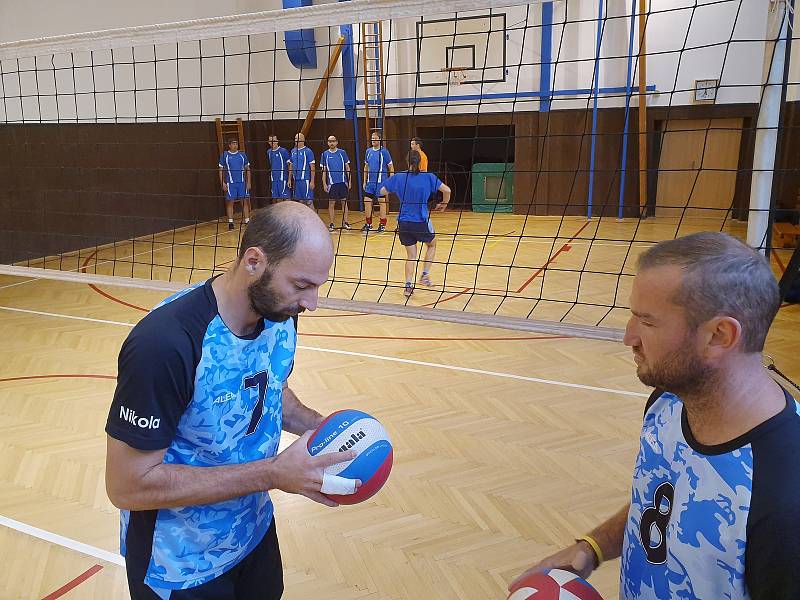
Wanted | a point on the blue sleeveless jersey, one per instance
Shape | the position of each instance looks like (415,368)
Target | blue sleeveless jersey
(188,384)
(713,522)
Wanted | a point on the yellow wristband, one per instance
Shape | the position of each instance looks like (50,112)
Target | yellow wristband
(595,546)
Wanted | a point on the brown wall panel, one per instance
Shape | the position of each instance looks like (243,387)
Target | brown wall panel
(70,186)
(553,163)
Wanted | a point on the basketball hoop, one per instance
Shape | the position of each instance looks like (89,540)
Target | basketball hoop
(455,75)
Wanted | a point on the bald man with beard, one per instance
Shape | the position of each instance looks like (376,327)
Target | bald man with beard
(302,171)
(202,397)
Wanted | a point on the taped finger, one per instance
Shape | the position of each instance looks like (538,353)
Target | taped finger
(333,484)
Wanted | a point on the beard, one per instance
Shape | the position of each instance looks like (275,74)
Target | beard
(681,372)
(265,301)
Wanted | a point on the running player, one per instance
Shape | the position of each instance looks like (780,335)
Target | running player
(713,511)
(336,179)
(202,397)
(302,171)
(414,189)
(280,169)
(234,176)
(377,168)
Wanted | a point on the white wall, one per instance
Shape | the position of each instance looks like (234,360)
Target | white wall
(26,19)
(736,28)
(687,40)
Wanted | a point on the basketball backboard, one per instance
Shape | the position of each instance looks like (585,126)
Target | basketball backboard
(473,45)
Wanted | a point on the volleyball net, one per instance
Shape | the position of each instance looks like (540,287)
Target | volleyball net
(574,134)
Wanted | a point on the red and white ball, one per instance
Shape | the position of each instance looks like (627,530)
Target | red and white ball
(355,430)
(553,584)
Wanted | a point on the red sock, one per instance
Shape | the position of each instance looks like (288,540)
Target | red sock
(383,221)
(369,220)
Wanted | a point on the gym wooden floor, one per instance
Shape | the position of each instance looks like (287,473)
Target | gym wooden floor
(506,444)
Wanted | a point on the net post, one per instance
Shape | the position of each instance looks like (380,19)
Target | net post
(769,115)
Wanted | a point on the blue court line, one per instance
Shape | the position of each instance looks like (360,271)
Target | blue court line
(507,95)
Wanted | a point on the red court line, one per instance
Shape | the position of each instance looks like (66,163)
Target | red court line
(115,299)
(104,293)
(552,258)
(142,309)
(434,339)
(68,587)
(398,283)
(443,300)
(563,248)
(58,376)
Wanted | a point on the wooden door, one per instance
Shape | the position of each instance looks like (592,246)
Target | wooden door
(697,169)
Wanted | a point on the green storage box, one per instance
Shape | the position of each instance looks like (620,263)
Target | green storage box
(493,187)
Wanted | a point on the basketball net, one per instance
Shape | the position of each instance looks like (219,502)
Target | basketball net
(455,76)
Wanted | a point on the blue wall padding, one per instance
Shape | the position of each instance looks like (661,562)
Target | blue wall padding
(300,43)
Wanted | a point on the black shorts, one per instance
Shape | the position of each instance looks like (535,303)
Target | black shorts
(412,232)
(338,191)
(259,576)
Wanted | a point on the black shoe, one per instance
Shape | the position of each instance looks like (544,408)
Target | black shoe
(345,225)
(230,226)
(331,227)
(366,228)
(381,228)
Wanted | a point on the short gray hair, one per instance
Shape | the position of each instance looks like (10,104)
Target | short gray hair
(273,231)
(721,276)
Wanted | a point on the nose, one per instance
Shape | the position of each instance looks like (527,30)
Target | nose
(631,337)
(309,301)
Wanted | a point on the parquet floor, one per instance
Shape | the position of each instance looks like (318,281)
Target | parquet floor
(549,268)
(506,444)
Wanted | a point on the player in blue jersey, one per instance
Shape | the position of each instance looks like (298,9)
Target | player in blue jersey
(378,168)
(279,169)
(414,189)
(202,397)
(234,176)
(713,511)
(302,171)
(336,179)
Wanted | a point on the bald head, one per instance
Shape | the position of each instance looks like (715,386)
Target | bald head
(281,229)
(284,259)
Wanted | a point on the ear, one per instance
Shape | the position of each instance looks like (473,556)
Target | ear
(722,335)
(254,261)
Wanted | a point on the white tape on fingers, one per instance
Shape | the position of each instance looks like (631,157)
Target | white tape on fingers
(333,484)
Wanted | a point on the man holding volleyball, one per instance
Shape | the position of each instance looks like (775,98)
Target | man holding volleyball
(713,510)
(202,397)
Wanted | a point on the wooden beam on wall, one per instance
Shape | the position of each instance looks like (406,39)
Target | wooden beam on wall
(323,86)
